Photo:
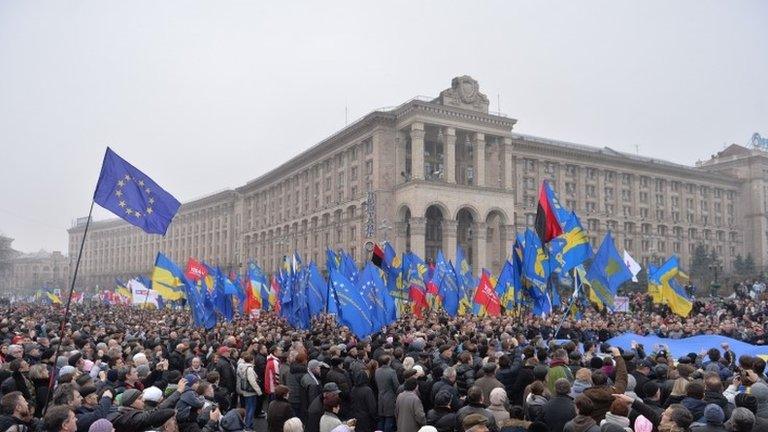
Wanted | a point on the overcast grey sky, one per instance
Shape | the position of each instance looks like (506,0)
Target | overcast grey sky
(204,96)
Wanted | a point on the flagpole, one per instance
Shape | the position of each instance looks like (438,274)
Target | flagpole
(66,309)
(570,305)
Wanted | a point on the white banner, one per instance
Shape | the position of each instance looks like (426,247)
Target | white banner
(141,295)
(621,304)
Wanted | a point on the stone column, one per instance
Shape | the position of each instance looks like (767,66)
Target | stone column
(399,157)
(508,178)
(400,239)
(508,239)
(450,155)
(479,165)
(450,235)
(479,241)
(417,151)
(418,233)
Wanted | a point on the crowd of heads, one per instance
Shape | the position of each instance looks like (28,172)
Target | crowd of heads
(131,369)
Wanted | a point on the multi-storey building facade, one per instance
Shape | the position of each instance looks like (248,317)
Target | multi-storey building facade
(23,274)
(434,173)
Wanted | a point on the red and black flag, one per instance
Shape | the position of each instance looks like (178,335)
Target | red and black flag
(377,257)
(547,224)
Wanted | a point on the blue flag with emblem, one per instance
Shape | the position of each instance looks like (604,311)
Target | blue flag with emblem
(131,195)
(353,308)
(607,272)
(536,273)
(466,282)
(507,285)
(447,286)
(570,248)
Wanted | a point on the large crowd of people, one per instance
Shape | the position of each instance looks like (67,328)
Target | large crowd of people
(127,369)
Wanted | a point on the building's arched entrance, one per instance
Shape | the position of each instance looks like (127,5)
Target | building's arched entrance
(465,234)
(433,239)
(496,240)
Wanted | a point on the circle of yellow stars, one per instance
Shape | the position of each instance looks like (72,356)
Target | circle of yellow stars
(121,201)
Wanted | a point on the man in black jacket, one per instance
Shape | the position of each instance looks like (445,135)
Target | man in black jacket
(92,407)
(226,372)
(447,383)
(15,411)
(560,409)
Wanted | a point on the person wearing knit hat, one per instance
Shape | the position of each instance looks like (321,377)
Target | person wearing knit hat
(498,404)
(191,379)
(101,425)
(760,392)
(714,418)
(130,398)
(742,420)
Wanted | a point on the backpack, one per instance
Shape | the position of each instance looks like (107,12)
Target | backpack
(243,385)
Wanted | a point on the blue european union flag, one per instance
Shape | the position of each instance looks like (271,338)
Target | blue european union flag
(317,290)
(353,308)
(131,195)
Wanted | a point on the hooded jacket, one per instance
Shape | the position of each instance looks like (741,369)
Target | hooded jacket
(363,403)
(581,423)
(231,422)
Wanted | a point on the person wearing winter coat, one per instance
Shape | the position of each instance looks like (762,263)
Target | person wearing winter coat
(618,415)
(560,409)
(465,373)
(93,407)
(363,403)
(409,412)
(475,405)
(330,419)
(310,387)
(498,404)
(582,382)
(447,383)
(297,371)
(601,393)
(508,370)
(488,381)
(227,377)
(584,421)
(694,400)
(248,386)
(442,416)
(279,409)
(18,413)
(558,368)
(387,383)
(131,416)
(233,421)
(535,402)
(713,420)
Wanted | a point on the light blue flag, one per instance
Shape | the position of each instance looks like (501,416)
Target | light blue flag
(370,292)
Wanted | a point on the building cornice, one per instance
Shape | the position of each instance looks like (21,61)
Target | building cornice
(535,145)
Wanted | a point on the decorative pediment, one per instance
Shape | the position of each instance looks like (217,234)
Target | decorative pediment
(464,93)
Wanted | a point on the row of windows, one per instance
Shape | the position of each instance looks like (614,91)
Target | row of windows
(660,185)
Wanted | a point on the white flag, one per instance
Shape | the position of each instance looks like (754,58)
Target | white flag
(632,265)
(141,294)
